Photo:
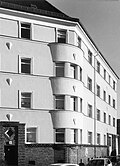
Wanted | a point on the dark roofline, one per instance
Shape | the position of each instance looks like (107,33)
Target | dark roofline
(59,15)
(33,10)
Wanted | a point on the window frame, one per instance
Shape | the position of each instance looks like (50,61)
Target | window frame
(98,66)
(20,99)
(90,56)
(61,34)
(60,98)
(20,64)
(81,74)
(60,66)
(114,85)
(60,131)
(98,90)
(114,103)
(90,111)
(26,28)
(104,117)
(89,137)
(73,69)
(109,99)
(104,139)
(98,138)
(105,74)
(114,122)
(89,83)
(109,119)
(79,40)
(98,115)
(104,95)
(28,132)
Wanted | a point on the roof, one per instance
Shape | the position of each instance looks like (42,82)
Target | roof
(43,7)
(40,7)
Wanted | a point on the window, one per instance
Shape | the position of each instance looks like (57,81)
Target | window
(104,139)
(98,114)
(113,84)
(80,74)
(113,103)
(26,65)
(109,99)
(25,100)
(60,135)
(81,105)
(109,79)
(113,122)
(98,138)
(98,90)
(89,137)
(104,117)
(61,36)
(98,66)
(72,68)
(31,135)
(104,95)
(73,103)
(59,69)
(79,42)
(90,84)
(104,74)
(89,110)
(109,120)
(90,57)
(25,30)
(109,141)
(59,100)
(80,136)
(75,135)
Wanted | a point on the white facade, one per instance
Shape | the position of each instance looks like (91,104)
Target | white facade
(74,89)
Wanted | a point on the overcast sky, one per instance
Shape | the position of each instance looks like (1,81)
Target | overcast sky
(101,19)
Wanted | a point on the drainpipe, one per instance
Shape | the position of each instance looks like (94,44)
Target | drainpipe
(95,105)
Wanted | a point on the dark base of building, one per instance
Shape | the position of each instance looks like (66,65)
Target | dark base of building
(15,152)
(45,154)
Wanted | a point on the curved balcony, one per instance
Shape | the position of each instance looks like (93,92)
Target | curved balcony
(66,86)
(62,52)
(66,119)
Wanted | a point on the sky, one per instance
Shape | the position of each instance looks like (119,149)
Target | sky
(101,19)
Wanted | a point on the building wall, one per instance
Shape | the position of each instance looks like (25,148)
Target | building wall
(44,51)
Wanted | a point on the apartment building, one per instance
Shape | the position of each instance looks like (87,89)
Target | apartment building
(58,94)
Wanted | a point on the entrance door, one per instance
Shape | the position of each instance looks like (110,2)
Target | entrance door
(11,156)
(11,145)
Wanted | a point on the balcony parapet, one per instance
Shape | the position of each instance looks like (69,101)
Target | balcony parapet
(63,52)
(66,86)
(66,119)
